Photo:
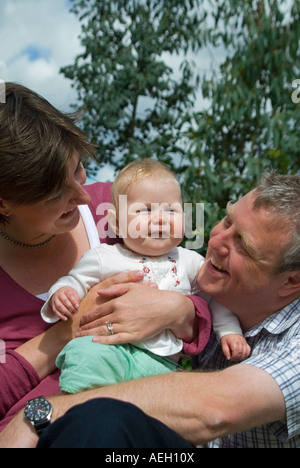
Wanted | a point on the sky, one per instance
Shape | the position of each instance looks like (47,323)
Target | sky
(37,38)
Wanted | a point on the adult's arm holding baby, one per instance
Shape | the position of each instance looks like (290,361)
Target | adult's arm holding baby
(165,310)
(41,351)
(139,311)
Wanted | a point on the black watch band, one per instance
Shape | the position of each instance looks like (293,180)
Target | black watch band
(40,427)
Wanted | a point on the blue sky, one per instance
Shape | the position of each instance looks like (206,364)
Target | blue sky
(34,52)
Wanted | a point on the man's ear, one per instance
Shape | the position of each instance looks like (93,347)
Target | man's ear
(291,285)
(111,217)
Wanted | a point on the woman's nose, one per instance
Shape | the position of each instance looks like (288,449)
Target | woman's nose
(80,196)
(84,197)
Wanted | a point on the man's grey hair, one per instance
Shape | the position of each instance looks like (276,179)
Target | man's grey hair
(281,194)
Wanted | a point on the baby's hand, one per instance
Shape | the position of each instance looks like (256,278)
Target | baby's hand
(235,347)
(65,303)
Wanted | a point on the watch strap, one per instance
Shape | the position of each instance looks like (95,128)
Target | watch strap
(41,426)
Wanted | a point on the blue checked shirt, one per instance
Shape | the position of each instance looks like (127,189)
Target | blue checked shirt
(275,347)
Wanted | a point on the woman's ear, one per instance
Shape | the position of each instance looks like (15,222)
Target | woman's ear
(5,207)
(111,217)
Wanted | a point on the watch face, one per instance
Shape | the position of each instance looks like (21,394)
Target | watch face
(37,409)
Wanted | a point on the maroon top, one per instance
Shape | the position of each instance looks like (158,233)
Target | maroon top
(20,321)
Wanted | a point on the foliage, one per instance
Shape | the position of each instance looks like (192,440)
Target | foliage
(122,66)
(252,123)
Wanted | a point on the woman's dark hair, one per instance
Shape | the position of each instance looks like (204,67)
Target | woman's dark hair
(37,143)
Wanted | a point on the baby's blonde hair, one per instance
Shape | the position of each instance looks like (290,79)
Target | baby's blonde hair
(137,171)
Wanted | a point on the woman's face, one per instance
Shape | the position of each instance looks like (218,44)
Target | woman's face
(59,213)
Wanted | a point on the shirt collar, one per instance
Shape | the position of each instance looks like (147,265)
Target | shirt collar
(278,322)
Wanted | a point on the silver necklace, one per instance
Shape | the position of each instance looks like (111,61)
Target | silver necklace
(26,246)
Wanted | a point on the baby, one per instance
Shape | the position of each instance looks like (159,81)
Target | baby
(152,227)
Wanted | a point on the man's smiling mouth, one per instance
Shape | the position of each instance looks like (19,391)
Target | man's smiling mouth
(217,266)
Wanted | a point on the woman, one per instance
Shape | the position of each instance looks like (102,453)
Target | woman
(45,227)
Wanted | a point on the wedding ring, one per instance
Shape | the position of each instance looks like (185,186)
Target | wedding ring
(109,328)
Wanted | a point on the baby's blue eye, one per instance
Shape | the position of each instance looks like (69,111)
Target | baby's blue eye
(144,210)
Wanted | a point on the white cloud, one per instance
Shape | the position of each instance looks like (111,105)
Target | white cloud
(37,38)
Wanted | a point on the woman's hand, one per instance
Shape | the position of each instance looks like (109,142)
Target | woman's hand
(137,312)
(41,352)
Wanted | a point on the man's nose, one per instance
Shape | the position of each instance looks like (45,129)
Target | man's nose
(220,241)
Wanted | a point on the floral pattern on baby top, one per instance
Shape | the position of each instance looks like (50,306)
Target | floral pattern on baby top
(148,273)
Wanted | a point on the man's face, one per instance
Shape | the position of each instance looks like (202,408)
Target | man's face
(240,268)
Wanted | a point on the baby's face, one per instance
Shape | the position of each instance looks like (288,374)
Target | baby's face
(154,222)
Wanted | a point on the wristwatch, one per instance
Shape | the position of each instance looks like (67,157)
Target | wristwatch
(38,413)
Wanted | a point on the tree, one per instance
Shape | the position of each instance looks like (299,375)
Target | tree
(125,42)
(252,124)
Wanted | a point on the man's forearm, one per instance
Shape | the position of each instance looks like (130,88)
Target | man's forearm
(167,398)
(198,406)
(154,395)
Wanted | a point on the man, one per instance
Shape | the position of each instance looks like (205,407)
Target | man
(252,267)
